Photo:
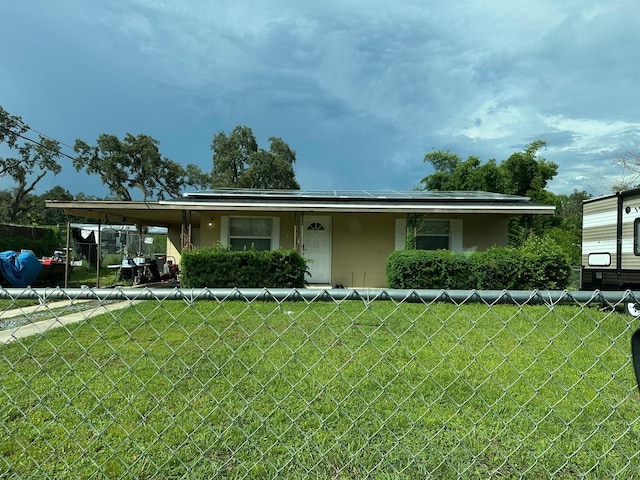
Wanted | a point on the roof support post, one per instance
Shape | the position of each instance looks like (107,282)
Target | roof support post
(185,231)
(298,218)
(98,250)
(300,240)
(67,255)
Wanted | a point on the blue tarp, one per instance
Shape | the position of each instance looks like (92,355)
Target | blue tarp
(20,269)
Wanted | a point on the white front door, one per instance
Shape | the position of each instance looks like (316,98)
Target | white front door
(317,248)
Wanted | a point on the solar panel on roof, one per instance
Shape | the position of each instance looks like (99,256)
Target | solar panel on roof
(351,194)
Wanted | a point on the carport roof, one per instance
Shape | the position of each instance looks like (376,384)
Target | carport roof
(165,212)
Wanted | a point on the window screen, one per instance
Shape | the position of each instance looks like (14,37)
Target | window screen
(433,235)
(247,233)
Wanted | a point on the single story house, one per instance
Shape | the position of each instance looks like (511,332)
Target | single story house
(347,235)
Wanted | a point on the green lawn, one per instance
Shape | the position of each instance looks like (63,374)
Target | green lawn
(10,304)
(86,275)
(327,390)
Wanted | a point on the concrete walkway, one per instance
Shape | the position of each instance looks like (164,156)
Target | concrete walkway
(38,328)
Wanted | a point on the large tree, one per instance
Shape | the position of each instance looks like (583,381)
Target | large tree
(567,227)
(135,162)
(39,214)
(35,212)
(231,155)
(239,162)
(31,160)
(527,173)
(524,173)
(454,174)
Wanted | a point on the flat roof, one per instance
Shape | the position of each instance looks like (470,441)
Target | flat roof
(105,227)
(410,195)
(165,212)
(395,201)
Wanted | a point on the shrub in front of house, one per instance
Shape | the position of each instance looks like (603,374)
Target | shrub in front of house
(219,267)
(501,268)
(539,264)
(432,269)
(545,264)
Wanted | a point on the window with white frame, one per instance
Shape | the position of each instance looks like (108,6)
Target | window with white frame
(434,235)
(250,232)
(431,237)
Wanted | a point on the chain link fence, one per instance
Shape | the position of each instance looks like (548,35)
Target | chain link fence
(170,383)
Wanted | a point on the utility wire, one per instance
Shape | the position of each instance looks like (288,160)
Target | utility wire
(44,135)
(37,142)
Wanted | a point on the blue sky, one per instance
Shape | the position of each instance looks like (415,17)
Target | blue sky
(361,90)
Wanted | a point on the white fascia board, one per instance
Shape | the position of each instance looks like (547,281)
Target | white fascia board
(365,208)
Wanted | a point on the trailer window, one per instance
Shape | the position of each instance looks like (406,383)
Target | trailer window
(636,234)
(599,259)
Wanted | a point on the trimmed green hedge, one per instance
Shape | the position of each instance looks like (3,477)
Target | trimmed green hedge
(220,267)
(430,269)
(540,264)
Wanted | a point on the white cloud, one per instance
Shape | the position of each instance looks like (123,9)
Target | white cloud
(593,136)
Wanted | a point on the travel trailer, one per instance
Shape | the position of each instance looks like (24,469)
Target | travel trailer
(610,243)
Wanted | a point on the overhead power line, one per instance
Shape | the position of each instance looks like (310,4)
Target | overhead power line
(44,135)
(37,142)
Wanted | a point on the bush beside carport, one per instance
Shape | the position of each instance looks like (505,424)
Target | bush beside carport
(219,267)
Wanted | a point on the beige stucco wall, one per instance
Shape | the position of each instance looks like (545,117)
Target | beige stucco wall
(173,243)
(210,227)
(483,231)
(361,242)
(207,233)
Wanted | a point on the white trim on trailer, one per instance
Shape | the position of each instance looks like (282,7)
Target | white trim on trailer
(605,219)
(599,219)
(599,246)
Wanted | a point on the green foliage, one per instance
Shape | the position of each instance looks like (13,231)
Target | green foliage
(34,212)
(524,173)
(33,160)
(567,227)
(454,174)
(239,162)
(432,269)
(539,264)
(413,223)
(500,268)
(220,267)
(111,259)
(134,163)
(527,174)
(39,214)
(569,240)
(544,265)
(51,239)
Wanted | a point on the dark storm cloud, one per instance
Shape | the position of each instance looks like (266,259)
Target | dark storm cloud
(361,92)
